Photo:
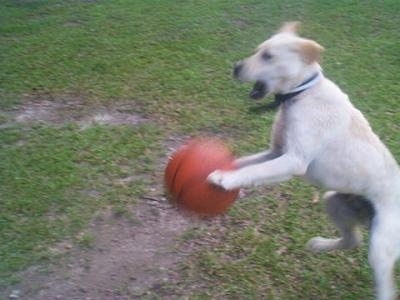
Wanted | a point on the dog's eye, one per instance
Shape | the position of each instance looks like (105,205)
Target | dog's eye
(266,55)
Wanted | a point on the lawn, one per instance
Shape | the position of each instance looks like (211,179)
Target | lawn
(169,64)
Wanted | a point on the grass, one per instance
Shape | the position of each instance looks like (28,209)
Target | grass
(52,180)
(173,60)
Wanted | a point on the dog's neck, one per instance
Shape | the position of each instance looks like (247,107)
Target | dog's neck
(310,82)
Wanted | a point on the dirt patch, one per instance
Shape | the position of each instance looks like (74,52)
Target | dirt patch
(64,109)
(132,255)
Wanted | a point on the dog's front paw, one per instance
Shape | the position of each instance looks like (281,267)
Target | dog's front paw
(222,179)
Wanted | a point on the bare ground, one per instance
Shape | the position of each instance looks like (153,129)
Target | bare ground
(70,109)
(129,258)
(132,257)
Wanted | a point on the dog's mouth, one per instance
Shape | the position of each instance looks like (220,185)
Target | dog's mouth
(259,90)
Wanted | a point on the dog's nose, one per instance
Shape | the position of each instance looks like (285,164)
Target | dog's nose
(236,69)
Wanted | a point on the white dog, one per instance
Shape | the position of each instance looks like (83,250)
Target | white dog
(319,135)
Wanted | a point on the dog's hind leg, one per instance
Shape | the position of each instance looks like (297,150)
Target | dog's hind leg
(347,212)
(384,251)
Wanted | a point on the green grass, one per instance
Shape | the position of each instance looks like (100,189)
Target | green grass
(173,60)
(52,180)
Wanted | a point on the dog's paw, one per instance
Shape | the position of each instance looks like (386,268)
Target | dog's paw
(222,179)
(320,244)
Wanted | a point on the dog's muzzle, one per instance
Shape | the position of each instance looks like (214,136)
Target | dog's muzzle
(260,88)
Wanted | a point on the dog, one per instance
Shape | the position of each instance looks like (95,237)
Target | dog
(320,136)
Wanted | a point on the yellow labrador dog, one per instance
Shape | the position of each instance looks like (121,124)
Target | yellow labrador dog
(319,135)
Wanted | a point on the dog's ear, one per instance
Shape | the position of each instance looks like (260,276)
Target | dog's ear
(310,50)
(290,27)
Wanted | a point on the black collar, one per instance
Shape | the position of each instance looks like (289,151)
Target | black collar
(281,98)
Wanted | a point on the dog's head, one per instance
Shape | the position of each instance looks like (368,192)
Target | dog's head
(280,63)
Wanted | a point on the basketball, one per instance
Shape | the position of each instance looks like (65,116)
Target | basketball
(186,176)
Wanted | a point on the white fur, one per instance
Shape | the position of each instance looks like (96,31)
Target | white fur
(323,138)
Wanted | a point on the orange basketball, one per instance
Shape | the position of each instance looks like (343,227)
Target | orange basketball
(187,171)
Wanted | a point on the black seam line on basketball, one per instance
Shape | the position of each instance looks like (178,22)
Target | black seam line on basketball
(192,182)
(174,177)
(189,184)
(186,185)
